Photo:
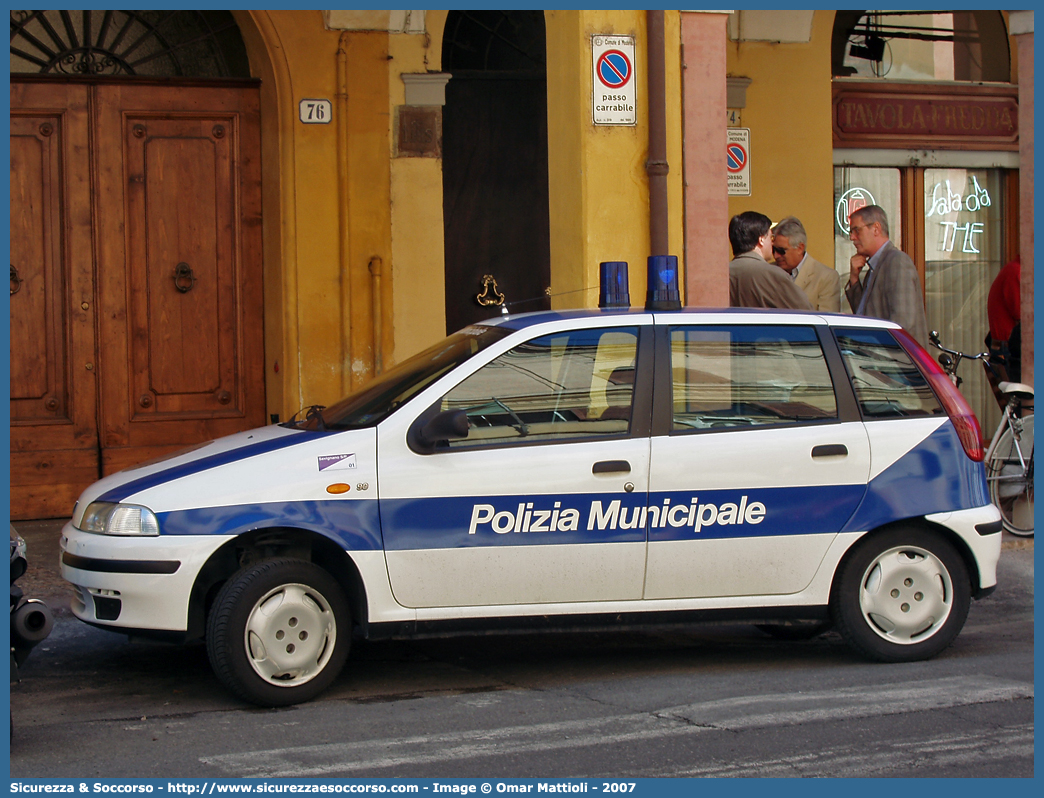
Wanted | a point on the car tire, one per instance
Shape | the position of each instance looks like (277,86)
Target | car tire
(901,595)
(278,632)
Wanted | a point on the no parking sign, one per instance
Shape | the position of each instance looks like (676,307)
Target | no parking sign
(612,92)
(737,160)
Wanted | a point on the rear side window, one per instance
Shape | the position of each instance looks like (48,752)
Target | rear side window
(886,381)
(747,376)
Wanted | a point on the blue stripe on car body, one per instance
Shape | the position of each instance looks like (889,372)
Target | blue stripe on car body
(443,523)
(354,524)
(954,482)
(935,476)
(121,492)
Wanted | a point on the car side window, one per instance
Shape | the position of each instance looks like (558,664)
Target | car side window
(570,385)
(737,377)
(886,381)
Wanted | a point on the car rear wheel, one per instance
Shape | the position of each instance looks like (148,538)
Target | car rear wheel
(279,632)
(902,595)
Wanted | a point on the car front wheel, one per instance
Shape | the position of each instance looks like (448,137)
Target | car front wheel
(902,595)
(278,632)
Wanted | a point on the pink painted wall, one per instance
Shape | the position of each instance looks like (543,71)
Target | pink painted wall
(706,191)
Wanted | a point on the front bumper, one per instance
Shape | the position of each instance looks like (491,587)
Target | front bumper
(139,583)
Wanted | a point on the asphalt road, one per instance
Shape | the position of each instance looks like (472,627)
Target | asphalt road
(702,701)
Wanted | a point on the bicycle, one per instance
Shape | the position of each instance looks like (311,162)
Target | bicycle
(1009,458)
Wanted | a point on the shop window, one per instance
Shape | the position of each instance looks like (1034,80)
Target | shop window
(193,44)
(921,46)
(955,224)
(963,252)
(856,187)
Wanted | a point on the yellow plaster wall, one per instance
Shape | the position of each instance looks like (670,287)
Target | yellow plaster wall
(331,212)
(310,53)
(418,251)
(268,64)
(326,205)
(295,57)
(598,184)
(791,140)
(369,262)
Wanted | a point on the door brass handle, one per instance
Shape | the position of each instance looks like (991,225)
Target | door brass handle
(490,293)
(184,279)
(16,281)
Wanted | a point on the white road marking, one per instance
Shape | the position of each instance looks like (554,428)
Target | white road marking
(747,712)
(882,758)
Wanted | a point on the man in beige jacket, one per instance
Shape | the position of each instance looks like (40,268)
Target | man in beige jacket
(820,283)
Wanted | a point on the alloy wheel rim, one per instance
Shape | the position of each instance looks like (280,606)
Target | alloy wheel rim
(290,635)
(906,595)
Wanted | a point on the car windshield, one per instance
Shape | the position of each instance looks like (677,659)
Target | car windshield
(386,393)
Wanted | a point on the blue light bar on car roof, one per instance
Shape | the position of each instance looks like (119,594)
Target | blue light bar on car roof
(612,285)
(662,293)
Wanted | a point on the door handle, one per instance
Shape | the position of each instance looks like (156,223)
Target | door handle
(611,467)
(490,294)
(184,279)
(830,450)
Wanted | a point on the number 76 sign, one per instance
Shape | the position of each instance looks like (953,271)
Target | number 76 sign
(316,112)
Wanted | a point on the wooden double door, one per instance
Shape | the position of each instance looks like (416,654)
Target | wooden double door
(136,294)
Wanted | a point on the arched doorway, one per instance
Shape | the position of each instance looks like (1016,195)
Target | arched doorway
(136,295)
(921,45)
(495,182)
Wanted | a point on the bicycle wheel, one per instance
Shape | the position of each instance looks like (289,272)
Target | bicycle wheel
(1011,485)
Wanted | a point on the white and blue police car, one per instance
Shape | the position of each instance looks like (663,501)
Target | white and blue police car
(577,469)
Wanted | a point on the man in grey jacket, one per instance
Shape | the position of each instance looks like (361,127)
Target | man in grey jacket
(891,289)
(753,281)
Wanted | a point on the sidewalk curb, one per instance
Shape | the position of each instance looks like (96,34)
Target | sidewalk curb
(1017,543)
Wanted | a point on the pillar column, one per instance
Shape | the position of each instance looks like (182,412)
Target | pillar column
(704,39)
(1022,28)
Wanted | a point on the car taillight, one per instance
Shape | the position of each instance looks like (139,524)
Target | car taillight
(956,406)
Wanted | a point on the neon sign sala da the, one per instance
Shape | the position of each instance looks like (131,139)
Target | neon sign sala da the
(949,201)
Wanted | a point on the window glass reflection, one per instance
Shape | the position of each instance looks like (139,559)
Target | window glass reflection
(963,237)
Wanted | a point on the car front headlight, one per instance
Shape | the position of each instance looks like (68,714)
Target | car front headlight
(106,518)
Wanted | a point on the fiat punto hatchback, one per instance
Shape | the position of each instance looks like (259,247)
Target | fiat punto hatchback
(587,469)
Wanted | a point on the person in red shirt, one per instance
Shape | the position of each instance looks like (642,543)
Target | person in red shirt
(1003,308)
(1002,304)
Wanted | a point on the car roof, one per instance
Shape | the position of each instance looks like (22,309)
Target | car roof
(521,321)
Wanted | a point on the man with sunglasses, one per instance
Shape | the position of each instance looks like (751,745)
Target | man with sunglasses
(891,290)
(754,282)
(821,284)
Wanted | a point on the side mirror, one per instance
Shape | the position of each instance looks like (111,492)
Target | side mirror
(449,425)
(946,362)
